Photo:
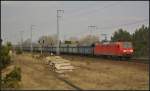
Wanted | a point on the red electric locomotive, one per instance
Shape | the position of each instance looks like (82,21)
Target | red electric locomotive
(114,49)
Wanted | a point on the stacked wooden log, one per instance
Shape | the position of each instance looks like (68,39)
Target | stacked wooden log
(59,64)
(36,56)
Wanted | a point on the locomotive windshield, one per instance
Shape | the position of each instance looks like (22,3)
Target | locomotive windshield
(127,44)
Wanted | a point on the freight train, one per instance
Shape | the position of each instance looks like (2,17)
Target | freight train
(110,49)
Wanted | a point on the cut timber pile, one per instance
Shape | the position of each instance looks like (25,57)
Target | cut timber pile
(59,64)
(36,56)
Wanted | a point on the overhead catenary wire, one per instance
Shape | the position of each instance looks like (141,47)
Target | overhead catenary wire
(90,12)
(111,27)
(96,9)
(126,24)
(93,10)
(84,12)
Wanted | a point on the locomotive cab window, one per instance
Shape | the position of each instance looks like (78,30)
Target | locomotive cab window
(127,44)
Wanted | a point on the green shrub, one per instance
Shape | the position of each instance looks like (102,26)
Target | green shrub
(18,51)
(15,74)
(4,57)
(12,79)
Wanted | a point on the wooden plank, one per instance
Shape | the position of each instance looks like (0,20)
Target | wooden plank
(62,60)
(59,62)
(65,67)
(62,71)
(50,58)
(58,57)
(62,64)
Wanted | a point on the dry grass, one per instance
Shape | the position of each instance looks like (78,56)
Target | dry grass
(105,74)
(91,73)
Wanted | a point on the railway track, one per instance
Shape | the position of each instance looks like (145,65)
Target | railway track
(140,60)
(135,60)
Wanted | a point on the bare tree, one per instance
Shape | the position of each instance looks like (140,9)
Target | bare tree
(73,39)
(27,42)
(89,39)
(49,40)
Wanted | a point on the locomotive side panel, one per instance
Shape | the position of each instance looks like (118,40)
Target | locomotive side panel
(120,49)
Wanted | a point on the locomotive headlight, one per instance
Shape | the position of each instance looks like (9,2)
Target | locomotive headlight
(124,50)
(131,50)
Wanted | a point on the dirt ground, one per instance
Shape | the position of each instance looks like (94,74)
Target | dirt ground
(90,74)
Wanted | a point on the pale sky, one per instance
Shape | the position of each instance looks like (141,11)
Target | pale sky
(108,16)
